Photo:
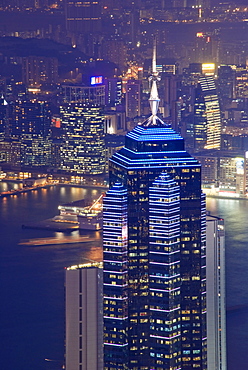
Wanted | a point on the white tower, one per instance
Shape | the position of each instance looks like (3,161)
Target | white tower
(216,307)
(84,343)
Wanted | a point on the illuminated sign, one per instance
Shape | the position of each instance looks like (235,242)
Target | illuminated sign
(96,80)
(199,34)
(56,122)
(239,166)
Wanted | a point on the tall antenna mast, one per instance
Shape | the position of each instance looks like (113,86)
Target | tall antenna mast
(154,99)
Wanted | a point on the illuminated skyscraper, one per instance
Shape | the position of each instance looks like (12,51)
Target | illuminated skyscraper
(83,288)
(83,149)
(30,123)
(154,252)
(207,118)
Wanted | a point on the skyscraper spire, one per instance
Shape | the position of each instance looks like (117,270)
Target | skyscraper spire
(154,100)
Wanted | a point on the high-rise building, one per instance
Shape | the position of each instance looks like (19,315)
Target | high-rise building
(29,117)
(133,98)
(83,17)
(113,91)
(207,117)
(83,148)
(39,70)
(10,153)
(94,94)
(115,50)
(30,122)
(3,117)
(83,288)
(154,252)
(226,84)
(241,82)
(216,303)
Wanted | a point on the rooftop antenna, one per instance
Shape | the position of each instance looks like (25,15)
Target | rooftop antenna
(154,100)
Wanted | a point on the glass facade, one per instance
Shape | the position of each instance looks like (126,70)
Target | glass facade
(83,148)
(29,122)
(165,251)
(115,278)
(207,118)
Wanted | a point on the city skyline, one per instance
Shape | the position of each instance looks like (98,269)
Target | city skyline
(77,107)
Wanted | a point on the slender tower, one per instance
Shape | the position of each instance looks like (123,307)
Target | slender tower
(154,252)
(83,342)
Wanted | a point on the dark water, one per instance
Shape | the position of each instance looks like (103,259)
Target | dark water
(235,213)
(32,279)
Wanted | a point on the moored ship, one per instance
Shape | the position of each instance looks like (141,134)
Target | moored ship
(89,217)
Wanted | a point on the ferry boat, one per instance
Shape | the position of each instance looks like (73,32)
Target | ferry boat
(89,217)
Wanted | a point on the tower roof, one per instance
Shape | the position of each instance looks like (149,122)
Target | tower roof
(150,134)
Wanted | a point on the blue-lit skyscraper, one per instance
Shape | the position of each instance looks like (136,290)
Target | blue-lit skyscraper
(154,252)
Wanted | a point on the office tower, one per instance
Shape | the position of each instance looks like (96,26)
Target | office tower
(10,153)
(154,252)
(83,149)
(113,91)
(207,118)
(3,118)
(241,74)
(115,50)
(133,98)
(83,17)
(83,289)
(207,47)
(168,87)
(30,117)
(93,94)
(39,70)
(216,305)
(30,123)
(115,122)
(226,84)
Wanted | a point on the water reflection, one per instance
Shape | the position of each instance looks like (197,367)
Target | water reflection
(32,289)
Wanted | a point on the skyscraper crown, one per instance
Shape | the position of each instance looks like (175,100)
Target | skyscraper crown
(154,100)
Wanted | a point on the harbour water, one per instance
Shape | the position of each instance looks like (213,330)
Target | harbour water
(32,278)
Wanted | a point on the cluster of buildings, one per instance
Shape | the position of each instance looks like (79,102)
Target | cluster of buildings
(158,299)
(77,131)
(71,90)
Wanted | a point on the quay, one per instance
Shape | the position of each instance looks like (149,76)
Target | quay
(23,190)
